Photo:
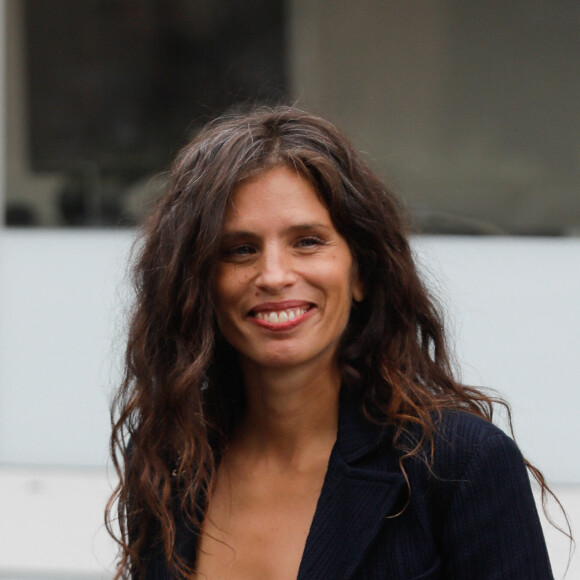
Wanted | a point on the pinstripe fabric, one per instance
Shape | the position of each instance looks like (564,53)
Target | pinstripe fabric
(473,519)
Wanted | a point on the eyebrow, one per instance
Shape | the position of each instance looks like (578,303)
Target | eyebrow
(235,235)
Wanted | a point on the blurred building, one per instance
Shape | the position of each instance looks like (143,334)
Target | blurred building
(470,109)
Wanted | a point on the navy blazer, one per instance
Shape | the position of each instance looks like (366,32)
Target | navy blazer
(472,518)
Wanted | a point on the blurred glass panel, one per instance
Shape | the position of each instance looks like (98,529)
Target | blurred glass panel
(509,151)
(114,87)
(469,108)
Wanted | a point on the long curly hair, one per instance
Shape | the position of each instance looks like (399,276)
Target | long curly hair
(182,393)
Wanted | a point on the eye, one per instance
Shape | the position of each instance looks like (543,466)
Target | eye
(240,251)
(310,242)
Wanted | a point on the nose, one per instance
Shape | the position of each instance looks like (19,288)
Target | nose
(276,270)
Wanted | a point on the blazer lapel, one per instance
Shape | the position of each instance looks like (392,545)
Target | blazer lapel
(353,504)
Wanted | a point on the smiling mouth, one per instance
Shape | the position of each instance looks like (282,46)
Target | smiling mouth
(281,316)
(275,316)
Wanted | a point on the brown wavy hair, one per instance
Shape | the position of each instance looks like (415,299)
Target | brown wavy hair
(182,393)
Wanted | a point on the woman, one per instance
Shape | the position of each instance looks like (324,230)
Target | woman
(288,395)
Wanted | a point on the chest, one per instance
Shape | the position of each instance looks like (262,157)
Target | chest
(256,525)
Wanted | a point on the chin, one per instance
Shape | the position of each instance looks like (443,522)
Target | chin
(291,358)
(278,361)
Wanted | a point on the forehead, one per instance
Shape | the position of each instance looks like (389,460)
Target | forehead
(277,195)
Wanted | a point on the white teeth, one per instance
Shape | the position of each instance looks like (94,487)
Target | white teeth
(276,317)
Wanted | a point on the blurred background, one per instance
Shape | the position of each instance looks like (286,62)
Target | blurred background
(469,110)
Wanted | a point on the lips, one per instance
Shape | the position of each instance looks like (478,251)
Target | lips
(280,314)
(274,316)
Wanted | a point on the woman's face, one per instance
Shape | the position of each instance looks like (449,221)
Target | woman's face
(285,281)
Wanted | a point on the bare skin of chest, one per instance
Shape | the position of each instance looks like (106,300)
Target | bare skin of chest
(257,522)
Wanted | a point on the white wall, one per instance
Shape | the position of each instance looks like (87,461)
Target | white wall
(60,303)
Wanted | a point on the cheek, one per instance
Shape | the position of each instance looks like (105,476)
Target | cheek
(230,287)
(338,283)
(226,284)
(340,272)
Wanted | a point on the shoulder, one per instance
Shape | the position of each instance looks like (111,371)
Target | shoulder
(480,488)
(472,482)
(462,438)
(477,477)
(464,447)
(461,442)
(457,438)
(465,427)
(474,463)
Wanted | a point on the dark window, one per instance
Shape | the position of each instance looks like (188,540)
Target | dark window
(114,88)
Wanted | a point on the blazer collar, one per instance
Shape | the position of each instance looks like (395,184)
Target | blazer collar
(356,435)
(356,499)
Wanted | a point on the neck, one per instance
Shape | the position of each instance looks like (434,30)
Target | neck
(291,414)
